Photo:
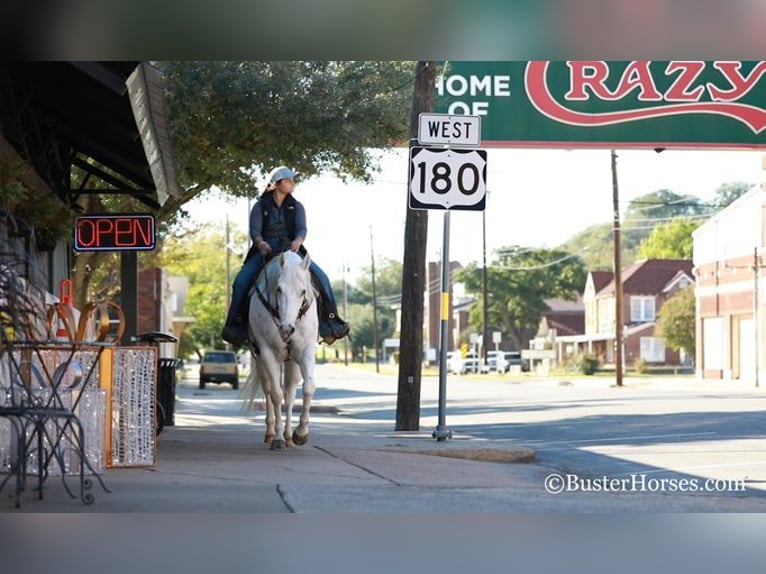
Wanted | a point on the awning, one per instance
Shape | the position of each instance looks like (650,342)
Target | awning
(107,118)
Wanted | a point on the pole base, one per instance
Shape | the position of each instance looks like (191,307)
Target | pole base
(441,434)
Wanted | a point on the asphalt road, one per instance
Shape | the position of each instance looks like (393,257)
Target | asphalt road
(674,429)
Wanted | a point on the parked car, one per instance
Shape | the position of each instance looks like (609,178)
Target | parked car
(468,365)
(219,367)
(514,358)
(502,361)
(496,362)
(461,365)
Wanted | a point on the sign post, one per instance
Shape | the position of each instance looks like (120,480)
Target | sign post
(447,179)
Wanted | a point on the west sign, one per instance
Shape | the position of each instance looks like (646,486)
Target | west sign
(606,104)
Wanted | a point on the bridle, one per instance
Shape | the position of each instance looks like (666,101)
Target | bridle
(274,309)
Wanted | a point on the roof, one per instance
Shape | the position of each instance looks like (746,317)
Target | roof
(60,114)
(649,276)
(562,305)
(566,323)
(601,279)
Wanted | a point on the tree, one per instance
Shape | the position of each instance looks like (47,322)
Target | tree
(233,121)
(728,193)
(388,287)
(518,283)
(671,240)
(595,246)
(663,204)
(200,255)
(643,214)
(676,321)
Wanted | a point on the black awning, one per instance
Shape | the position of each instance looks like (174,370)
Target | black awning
(59,114)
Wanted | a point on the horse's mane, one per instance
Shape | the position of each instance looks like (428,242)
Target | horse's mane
(267,279)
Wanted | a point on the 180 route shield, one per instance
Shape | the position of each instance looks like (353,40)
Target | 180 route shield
(448,178)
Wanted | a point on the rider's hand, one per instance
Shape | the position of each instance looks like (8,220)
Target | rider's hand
(264,248)
(296,244)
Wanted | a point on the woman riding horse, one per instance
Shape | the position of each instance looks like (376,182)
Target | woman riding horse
(277,224)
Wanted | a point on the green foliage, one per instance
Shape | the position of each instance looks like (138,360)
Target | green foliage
(518,282)
(728,193)
(231,120)
(595,244)
(676,321)
(51,223)
(663,204)
(12,189)
(587,364)
(388,288)
(671,240)
(201,255)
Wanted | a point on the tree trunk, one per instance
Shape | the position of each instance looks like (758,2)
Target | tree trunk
(413,272)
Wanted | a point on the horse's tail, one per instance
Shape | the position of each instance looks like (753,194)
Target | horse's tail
(251,391)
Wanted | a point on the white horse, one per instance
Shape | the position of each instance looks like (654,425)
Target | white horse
(284,324)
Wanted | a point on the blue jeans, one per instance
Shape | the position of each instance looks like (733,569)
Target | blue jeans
(246,277)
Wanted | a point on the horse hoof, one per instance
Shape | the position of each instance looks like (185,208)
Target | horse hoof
(289,442)
(300,440)
(269,437)
(277,444)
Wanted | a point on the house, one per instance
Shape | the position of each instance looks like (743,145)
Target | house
(646,285)
(728,263)
(563,319)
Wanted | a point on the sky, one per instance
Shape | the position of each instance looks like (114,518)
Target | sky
(535,198)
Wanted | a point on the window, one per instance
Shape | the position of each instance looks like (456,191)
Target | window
(653,349)
(641,309)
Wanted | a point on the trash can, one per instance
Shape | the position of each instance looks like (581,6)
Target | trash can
(166,377)
(166,388)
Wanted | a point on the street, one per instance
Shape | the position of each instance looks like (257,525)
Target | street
(653,428)
(519,444)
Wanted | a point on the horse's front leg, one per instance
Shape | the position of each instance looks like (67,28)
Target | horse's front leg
(276,397)
(292,375)
(306,364)
(263,378)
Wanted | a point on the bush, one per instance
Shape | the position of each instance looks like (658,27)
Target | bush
(640,366)
(588,364)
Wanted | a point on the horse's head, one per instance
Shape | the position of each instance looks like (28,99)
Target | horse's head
(294,294)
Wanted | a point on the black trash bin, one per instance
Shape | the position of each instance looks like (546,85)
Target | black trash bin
(166,389)
(166,377)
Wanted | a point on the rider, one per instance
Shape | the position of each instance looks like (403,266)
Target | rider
(278,223)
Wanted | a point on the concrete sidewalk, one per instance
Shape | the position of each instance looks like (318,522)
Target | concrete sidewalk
(215,461)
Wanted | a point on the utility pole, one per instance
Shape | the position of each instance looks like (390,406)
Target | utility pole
(345,314)
(756,317)
(374,307)
(617,275)
(485,303)
(413,271)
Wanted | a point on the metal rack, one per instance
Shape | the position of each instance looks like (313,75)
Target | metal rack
(43,385)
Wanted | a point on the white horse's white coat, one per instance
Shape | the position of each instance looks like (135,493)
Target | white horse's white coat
(287,345)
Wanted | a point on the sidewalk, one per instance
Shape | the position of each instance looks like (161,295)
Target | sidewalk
(215,461)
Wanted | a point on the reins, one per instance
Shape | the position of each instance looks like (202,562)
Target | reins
(274,310)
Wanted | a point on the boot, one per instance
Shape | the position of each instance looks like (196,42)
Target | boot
(235,332)
(333,328)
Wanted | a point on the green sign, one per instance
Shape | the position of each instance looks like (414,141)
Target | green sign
(606,104)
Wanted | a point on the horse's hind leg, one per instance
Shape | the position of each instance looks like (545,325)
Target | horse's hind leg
(292,376)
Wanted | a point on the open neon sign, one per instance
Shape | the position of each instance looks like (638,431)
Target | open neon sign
(114,233)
